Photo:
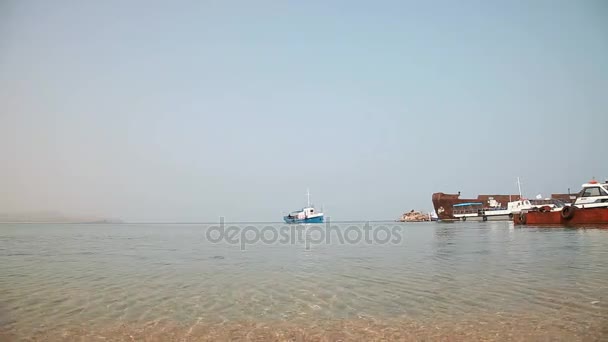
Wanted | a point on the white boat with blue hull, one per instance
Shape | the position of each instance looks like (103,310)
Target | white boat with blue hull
(306,215)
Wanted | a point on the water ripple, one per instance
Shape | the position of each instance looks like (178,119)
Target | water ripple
(156,278)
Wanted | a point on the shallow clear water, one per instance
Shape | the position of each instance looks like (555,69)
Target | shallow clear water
(111,281)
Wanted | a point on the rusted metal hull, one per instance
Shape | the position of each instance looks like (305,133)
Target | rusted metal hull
(443,202)
(586,216)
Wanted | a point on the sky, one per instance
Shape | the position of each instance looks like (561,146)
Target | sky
(195,110)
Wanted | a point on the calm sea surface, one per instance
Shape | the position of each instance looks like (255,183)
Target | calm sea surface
(487,280)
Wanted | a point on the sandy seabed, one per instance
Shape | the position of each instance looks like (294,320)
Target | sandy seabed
(363,329)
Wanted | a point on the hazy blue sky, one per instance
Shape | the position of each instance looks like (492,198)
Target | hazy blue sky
(191,110)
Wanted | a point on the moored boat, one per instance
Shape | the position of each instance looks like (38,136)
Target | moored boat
(495,211)
(444,203)
(306,215)
(589,207)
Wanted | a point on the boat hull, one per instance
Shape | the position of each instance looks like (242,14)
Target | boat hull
(487,218)
(580,217)
(316,219)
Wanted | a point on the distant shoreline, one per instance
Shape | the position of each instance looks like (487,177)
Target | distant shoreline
(59,222)
(177,222)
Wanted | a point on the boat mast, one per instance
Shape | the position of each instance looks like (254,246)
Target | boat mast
(308,197)
(519,187)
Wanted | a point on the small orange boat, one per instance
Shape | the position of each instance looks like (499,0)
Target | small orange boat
(589,207)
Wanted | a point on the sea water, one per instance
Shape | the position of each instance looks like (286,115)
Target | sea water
(465,281)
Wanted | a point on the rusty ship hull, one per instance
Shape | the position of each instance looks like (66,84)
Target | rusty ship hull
(443,203)
(586,216)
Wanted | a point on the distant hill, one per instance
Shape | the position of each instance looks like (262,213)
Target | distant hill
(51,217)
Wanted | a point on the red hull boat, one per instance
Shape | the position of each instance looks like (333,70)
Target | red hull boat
(590,207)
(578,217)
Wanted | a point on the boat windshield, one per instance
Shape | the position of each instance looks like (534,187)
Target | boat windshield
(592,192)
(459,205)
(466,208)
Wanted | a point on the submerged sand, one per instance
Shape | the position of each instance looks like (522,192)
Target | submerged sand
(524,328)
(459,282)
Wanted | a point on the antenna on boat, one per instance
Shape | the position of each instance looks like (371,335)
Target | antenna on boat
(308,197)
(519,187)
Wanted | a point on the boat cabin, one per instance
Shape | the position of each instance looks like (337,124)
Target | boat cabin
(494,204)
(308,211)
(469,209)
(592,194)
(302,214)
(519,205)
